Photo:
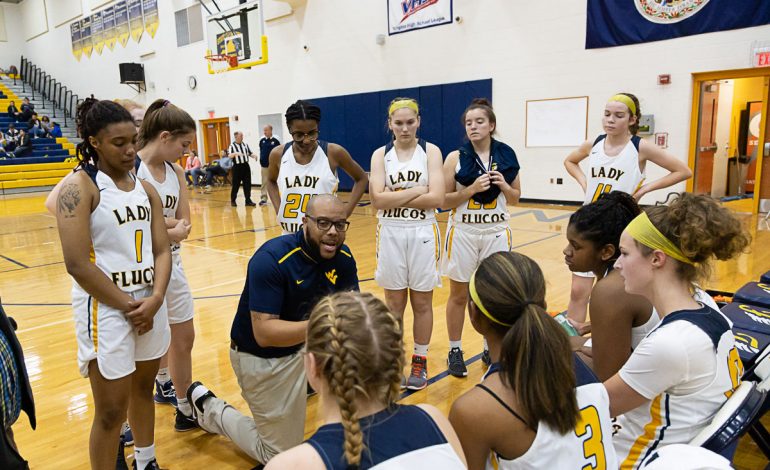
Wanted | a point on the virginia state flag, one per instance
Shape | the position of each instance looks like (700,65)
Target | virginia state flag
(620,22)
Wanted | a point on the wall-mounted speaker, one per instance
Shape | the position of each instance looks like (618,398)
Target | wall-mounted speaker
(131,73)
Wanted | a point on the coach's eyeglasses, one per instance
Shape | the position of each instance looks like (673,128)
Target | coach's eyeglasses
(300,136)
(326,224)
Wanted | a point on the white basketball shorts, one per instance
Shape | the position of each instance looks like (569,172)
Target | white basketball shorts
(464,250)
(408,256)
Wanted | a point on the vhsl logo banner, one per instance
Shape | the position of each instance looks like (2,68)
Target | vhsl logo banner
(408,15)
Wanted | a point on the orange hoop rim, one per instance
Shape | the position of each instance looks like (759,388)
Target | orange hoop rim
(232,60)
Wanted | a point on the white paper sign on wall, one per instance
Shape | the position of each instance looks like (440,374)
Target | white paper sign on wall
(408,15)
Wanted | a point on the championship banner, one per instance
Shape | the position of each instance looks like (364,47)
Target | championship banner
(151,18)
(97,29)
(75,35)
(122,32)
(86,44)
(408,15)
(109,33)
(135,19)
(620,22)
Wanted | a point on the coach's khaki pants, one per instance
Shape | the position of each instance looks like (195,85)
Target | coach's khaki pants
(276,392)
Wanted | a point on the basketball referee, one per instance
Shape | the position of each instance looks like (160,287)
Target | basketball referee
(240,152)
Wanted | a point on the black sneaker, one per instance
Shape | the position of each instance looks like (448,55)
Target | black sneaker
(233,203)
(251,203)
(150,466)
(184,423)
(121,463)
(456,363)
(197,406)
(485,358)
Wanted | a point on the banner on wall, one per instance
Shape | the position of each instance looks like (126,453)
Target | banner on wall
(97,30)
(122,32)
(408,15)
(151,19)
(77,51)
(86,44)
(135,19)
(621,22)
(109,33)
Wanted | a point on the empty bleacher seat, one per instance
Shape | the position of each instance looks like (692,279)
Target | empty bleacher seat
(754,293)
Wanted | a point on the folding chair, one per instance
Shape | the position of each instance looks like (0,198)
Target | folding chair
(733,420)
(754,293)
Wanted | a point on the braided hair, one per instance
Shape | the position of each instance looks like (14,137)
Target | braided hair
(359,351)
(302,110)
(602,221)
(92,116)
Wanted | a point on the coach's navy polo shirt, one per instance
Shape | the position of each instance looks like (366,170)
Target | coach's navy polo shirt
(284,279)
(265,146)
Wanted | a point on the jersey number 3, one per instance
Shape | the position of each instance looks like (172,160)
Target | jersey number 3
(590,428)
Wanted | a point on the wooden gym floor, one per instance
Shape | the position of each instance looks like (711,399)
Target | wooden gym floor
(35,290)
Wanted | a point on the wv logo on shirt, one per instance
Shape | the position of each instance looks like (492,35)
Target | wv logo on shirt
(332,276)
(410,7)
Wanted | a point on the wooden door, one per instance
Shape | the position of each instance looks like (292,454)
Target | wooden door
(704,156)
(216,136)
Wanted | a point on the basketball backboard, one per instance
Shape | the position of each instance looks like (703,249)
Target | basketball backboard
(235,36)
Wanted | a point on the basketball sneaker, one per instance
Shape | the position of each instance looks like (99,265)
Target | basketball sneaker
(197,405)
(263,201)
(456,363)
(418,378)
(183,423)
(485,358)
(127,435)
(150,466)
(165,393)
(121,463)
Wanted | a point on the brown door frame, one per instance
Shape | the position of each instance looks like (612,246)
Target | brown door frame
(205,122)
(697,82)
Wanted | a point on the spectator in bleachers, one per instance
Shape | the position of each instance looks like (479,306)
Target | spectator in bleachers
(35,127)
(12,110)
(11,138)
(45,121)
(27,111)
(24,148)
(55,130)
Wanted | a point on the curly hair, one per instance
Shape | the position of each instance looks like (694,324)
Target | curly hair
(602,221)
(702,229)
(359,349)
(92,116)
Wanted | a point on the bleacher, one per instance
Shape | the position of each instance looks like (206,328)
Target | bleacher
(33,175)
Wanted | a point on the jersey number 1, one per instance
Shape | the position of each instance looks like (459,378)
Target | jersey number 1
(593,447)
(138,238)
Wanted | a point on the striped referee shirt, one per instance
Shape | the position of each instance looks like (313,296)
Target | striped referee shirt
(242,148)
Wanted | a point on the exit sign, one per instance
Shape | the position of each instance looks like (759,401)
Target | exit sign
(762,58)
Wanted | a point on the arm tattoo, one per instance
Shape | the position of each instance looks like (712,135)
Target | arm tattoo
(69,199)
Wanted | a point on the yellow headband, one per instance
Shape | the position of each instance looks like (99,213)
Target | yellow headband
(477,301)
(626,101)
(396,105)
(643,231)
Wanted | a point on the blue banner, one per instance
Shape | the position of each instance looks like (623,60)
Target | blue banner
(620,22)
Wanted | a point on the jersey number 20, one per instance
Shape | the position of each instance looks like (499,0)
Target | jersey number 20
(593,447)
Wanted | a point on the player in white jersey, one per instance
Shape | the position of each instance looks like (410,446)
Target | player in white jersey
(116,249)
(617,161)
(528,411)
(165,135)
(406,186)
(354,359)
(682,372)
(481,181)
(306,167)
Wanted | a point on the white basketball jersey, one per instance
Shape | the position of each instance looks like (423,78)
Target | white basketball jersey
(121,235)
(472,215)
(168,191)
(404,175)
(588,446)
(298,183)
(618,173)
(638,333)
(677,418)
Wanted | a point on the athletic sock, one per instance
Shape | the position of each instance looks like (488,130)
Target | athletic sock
(184,406)
(455,345)
(144,455)
(421,349)
(486,345)
(163,376)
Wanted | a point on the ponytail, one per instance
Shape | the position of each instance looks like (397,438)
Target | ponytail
(91,117)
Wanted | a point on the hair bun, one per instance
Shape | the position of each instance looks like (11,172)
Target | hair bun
(481,102)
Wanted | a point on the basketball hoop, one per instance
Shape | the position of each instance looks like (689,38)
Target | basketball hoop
(219,63)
